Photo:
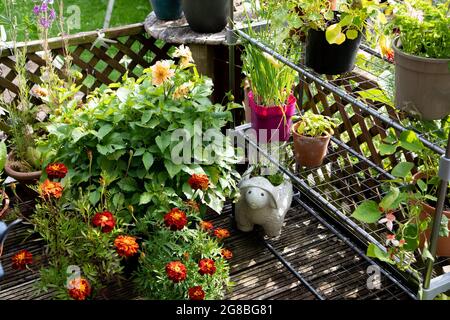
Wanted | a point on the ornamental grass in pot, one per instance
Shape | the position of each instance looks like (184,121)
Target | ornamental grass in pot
(422,58)
(333,31)
(312,134)
(270,98)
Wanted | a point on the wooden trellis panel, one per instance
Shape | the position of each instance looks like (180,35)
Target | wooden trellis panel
(132,51)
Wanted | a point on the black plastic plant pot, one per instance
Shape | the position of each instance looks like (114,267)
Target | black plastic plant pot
(167,9)
(327,58)
(206,16)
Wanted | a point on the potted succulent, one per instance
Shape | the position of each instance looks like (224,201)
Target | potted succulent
(422,57)
(312,135)
(334,30)
(266,196)
(167,9)
(206,16)
(270,98)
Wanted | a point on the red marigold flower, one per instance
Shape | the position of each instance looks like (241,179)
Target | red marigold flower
(175,219)
(21,260)
(206,266)
(50,189)
(226,253)
(390,55)
(206,225)
(176,271)
(105,220)
(126,246)
(79,289)
(199,181)
(196,293)
(221,233)
(56,170)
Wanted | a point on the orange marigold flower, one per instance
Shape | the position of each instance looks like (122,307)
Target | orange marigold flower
(206,225)
(175,219)
(193,205)
(206,266)
(56,170)
(196,293)
(176,271)
(79,288)
(221,233)
(126,246)
(49,189)
(105,220)
(21,260)
(226,253)
(199,181)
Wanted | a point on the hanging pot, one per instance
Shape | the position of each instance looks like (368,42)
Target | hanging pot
(422,85)
(327,58)
(206,16)
(21,177)
(272,123)
(167,9)
(309,151)
(443,245)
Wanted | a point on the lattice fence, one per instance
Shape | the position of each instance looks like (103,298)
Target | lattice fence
(132,51)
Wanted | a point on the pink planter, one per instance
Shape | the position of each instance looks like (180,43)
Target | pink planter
(272,123)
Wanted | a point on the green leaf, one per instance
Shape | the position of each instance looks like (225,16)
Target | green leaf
(386,149)
(422,185)
(410,141)
(94,197)
(3,155)
(128,184)
(443,231)
(163,141)
(172,169)
(389,200)
(147,159)
(374,252)
(346,21)
(104,130)
(402,169)
(352,34)
(77,134)
(367,212)
(146,197)
(334,34)
(426,254)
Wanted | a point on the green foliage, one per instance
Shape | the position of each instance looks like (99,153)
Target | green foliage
(188,245)
(316,125)
(147,139)
(424,27)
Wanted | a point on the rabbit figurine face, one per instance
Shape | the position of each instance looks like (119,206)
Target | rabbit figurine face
(257,198)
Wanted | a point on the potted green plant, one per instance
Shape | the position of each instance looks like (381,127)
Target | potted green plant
(333,30)
(422,57)
(167,9)
(206,16)
(312,134)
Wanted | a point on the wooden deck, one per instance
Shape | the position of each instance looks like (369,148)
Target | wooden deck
(328,264)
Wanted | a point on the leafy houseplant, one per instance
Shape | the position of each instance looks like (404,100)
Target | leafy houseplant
(167,9)
(422,56)
(334,30)
(312,134)
(271,101)
(150,134)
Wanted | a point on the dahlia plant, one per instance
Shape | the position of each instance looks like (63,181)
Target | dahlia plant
(151,135)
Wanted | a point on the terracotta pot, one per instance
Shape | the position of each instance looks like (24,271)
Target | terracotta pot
(309,151)
(443,247)
(21,177)
(5,204)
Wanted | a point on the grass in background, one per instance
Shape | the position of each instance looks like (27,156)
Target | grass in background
(92,13)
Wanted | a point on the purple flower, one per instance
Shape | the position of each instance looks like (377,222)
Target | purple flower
(52,14)
(36,10)
(44,23)
(44,7)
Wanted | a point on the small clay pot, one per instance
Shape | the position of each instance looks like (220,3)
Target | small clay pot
(443,247)
(5,204)
(309,151)
(21,177)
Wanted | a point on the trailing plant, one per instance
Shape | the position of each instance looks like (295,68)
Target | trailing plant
(315,125)
(183,258)
(150,134)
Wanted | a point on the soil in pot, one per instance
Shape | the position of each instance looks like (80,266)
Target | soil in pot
(310,151)
(422,85)
(327,58)
(271,123)
(167,9)
(12,169)
(206,16)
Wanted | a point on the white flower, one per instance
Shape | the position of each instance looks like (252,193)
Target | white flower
(388,220)
(185,55)
(390,239)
